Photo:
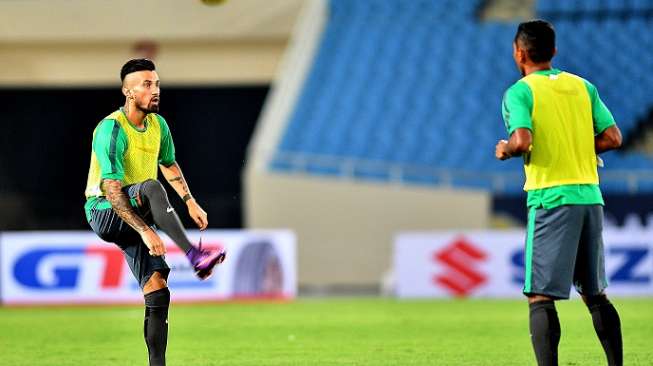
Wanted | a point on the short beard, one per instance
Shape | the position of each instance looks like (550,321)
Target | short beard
(149,108)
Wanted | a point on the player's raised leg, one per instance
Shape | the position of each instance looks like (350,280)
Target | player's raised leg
(154,198)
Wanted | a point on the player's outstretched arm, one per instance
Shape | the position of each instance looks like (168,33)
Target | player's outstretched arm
(120,204)
(175,177)
(609,139)
(519,143)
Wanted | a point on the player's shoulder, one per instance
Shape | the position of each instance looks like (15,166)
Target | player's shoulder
(519,89)
(519,84)
(107,130)
(110,121)
(588,84)
(113,116)
(163,124)
(109,125)
(571,75)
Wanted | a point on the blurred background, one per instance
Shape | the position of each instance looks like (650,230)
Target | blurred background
(345,122)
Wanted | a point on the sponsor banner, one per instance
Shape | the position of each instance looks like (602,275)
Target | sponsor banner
(78,267)
(491,263)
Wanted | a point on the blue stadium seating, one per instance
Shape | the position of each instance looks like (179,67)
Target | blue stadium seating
(548,8)
(418,84)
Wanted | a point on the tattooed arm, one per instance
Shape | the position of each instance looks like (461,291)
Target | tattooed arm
(121,206)
(175,177)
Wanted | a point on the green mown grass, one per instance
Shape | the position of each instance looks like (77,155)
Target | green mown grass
(316,332)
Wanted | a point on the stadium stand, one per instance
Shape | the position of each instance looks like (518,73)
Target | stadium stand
(441,114)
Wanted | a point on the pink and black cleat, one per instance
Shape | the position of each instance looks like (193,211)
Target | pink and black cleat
(203,260)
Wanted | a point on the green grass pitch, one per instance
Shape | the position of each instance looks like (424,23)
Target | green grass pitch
(312,332)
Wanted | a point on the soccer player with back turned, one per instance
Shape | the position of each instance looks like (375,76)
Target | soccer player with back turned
(124,199)
(558,124)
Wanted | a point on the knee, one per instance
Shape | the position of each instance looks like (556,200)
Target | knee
(152,185)
(158,299)
(152,188)
(539,298)
(156,282)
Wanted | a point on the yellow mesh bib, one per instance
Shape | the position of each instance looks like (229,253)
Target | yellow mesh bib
(563,132)
(140,159)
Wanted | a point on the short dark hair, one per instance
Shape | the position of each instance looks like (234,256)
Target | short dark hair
(538,38)
(134,65)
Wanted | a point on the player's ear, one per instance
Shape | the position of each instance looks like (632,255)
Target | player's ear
(517,52)
(555,51)
(521,55)
(127,93)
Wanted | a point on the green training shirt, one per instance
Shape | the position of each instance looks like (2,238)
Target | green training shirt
(126,153)
(517,110)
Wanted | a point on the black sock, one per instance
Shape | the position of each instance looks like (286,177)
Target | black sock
(545,332)
(608,328)
(155,327)
(155,197)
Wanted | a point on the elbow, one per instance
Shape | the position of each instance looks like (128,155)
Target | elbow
(613,135)
(614,138)
(523,145)
(616,141)
(521,141)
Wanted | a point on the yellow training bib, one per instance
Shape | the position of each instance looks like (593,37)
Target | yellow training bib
(563,132)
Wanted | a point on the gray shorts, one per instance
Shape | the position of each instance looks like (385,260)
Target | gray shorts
(109,227)
(564,245)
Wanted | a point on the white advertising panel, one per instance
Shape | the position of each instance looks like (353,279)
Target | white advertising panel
(491,263)
(78,267)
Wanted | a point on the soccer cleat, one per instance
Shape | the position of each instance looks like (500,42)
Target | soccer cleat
(203,260)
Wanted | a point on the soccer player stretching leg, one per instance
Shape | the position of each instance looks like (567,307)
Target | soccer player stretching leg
(124,199)
(558,124)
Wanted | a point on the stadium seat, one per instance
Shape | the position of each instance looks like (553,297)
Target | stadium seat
(641,5)
(393,84)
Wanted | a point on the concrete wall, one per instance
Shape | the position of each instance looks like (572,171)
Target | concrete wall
(80,42)
(129,20)
(180,63)
(345,228)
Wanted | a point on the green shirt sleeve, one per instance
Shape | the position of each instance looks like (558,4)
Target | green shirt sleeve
(167,151)
(517,107)
(600,113)
(109,145)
